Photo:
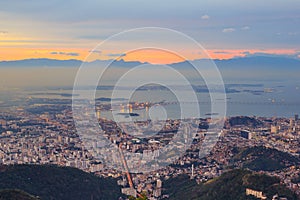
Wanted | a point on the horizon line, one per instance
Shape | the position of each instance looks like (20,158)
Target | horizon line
(128,61)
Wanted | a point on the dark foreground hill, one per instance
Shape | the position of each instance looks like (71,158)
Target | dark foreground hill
(61,183)
(15,195)
(231,185)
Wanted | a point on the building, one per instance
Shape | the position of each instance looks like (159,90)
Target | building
(292,123)
(246,134)
(157,192)
(274,129)
(158,183)
(257,194)
(2,122)
(129,191)
(98,114)
(192,176)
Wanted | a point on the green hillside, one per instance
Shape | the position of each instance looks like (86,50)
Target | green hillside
(265,159)
(245,121)
(62,183)
(231,185)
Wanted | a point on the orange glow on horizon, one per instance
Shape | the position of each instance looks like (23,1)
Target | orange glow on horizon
(153,56)
(17,53)
(144,55)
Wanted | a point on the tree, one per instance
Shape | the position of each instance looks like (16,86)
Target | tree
(142,196)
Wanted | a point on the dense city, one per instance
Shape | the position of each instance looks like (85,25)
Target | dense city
(29,136)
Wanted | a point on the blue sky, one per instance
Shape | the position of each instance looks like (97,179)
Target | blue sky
(75,27)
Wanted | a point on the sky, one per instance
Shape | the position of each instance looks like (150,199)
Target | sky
(72,29)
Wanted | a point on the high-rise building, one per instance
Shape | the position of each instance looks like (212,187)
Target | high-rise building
(158,183)
(292,123)
(192,176)
(296,117)
(98,114)
(157,192)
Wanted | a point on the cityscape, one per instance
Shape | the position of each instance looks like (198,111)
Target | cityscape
(34,136)
(149,100)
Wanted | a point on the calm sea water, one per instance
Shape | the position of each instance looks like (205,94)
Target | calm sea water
(281,99)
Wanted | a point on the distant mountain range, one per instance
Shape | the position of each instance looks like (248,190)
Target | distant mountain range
(260,62)
(41,62)
(45,62)
(253,62)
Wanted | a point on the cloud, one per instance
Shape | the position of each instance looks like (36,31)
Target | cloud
(116,54)
(222,52)
(95,51)
(293,33)
(204,17)
(291,55)
(65,53)
(228,30)
(245,28)
(3,32)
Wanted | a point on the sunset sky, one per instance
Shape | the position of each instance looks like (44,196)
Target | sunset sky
(71,29)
